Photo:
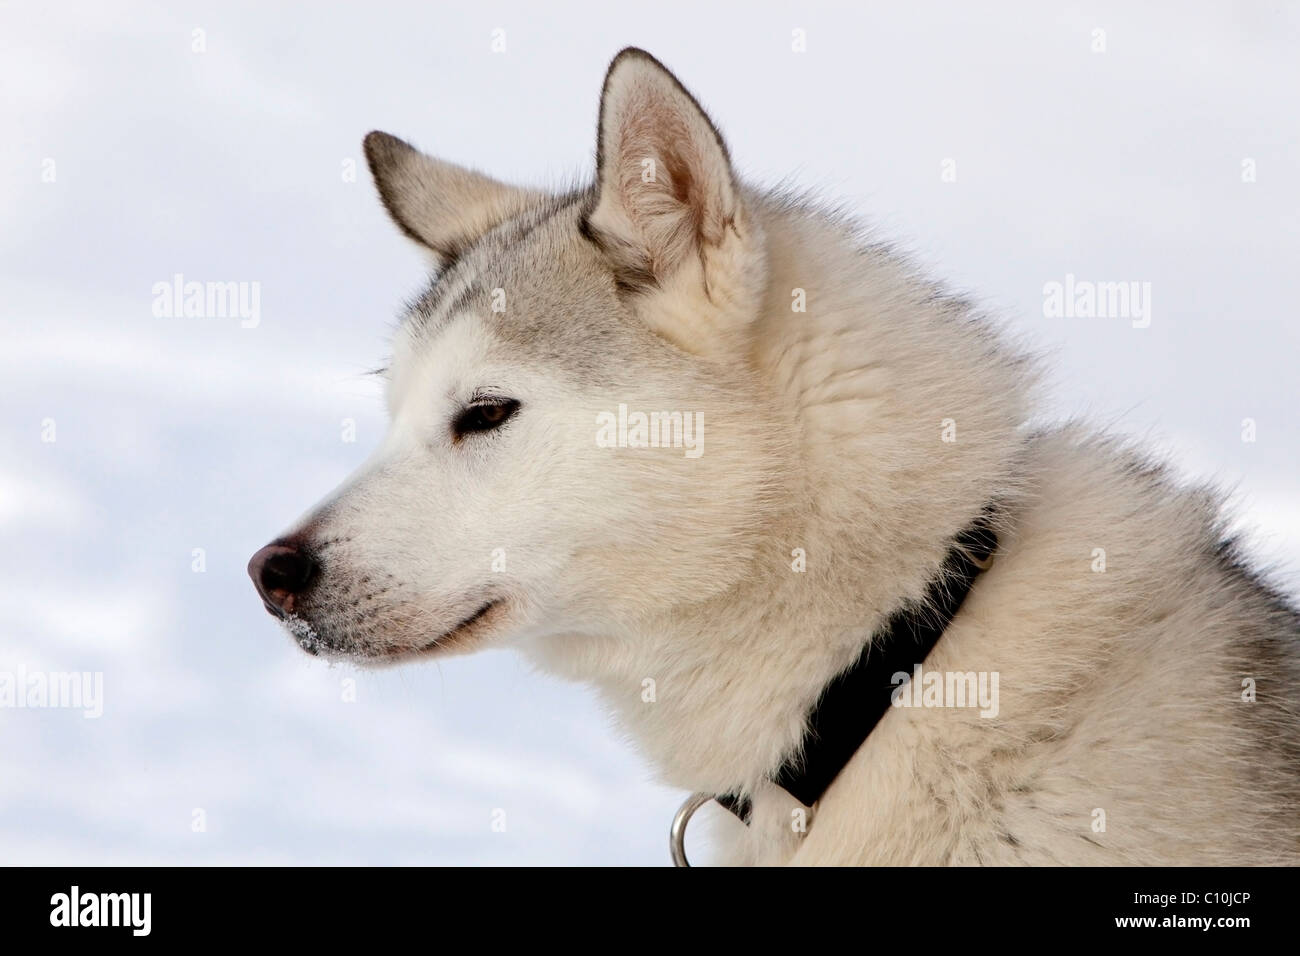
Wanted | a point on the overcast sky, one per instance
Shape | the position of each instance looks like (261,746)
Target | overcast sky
(136,148)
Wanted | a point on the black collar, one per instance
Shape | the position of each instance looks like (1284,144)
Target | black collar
(854,701)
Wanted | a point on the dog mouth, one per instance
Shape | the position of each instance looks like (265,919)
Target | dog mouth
(462,632)
(458,637)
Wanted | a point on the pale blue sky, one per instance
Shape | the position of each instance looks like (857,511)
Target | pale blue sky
(175,434)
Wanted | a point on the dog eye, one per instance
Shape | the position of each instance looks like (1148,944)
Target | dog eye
(484,416)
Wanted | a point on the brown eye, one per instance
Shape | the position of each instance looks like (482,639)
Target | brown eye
(484,416)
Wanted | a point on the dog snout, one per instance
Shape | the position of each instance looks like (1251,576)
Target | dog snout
(282,572)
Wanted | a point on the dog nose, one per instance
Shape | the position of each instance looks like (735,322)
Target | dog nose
(281,571)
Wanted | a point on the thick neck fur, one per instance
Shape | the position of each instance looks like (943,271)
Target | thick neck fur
(870,379)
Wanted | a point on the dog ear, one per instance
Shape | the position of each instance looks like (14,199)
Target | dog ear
(667,209)
(442,206)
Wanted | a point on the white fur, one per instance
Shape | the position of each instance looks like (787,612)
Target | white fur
(1120,690)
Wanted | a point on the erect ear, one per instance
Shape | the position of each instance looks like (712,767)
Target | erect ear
(667,209)
(442,206)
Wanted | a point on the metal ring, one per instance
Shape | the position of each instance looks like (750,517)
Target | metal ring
(677,832)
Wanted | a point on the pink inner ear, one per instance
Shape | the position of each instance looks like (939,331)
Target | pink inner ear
(668,215)
(667,186)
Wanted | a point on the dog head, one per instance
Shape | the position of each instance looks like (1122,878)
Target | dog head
(577,435)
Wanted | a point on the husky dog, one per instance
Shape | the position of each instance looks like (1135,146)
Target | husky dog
(695,444)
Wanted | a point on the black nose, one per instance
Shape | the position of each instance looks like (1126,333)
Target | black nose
(282,571)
